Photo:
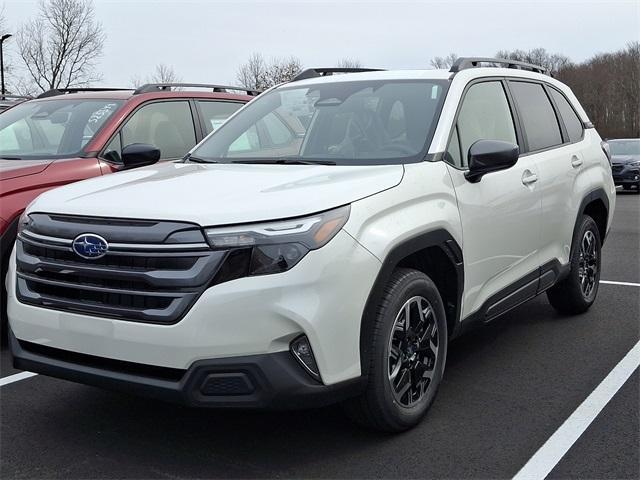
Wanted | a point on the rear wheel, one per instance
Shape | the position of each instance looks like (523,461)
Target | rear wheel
(407,348)
(576,293)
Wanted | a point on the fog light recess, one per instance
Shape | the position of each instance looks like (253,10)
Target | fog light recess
(301,350)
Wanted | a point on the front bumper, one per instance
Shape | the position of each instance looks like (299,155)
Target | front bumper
(322,297)
(272,381)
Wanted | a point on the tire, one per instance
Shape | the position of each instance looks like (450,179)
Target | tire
(413,360)
(576,293)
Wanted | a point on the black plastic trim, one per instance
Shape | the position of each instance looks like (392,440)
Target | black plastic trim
(532,284)
(597,194)
(276,380)
(436,238)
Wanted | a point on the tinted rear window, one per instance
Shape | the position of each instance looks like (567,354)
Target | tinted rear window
(571,121)
(537,115)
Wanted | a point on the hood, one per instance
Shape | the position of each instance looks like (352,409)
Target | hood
(20,168)
(624,159)
(219,194)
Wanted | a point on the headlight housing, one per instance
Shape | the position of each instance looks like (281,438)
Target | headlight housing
(635,164)
(23,221)
(273,247)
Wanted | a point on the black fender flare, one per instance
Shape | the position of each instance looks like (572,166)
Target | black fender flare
(435,238)
(597,194)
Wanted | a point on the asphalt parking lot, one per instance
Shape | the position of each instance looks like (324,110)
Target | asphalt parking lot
(507,388)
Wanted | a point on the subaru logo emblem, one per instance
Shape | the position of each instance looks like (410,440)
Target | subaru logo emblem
(90,246)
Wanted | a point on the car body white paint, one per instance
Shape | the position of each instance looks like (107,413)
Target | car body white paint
(506,230)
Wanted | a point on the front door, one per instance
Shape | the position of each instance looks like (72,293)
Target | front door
(500,214)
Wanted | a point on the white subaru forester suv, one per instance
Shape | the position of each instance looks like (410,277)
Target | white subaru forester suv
(322,246)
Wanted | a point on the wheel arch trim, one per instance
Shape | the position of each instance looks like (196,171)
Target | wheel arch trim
(439,238)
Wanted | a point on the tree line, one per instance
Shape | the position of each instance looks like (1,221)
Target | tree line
(60,47)
(607,84)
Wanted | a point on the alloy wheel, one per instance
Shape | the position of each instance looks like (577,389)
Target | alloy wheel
(588,264)
(413,351)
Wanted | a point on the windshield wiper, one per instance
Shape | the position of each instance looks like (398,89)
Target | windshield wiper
(190,158)
(286,161)
(10,158)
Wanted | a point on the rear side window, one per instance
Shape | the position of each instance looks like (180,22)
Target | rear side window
(538,117)
(214,114)
(484,115)
(571,121)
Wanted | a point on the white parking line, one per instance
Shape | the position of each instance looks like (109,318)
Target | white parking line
(16,378)
(627,284)
(548,456)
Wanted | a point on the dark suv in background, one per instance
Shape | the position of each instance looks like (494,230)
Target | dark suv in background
(67,135)
(625,162)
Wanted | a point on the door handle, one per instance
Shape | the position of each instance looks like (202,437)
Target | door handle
(529,178)
(576,162)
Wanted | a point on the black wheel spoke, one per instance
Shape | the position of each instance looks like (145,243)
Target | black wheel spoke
(413,350)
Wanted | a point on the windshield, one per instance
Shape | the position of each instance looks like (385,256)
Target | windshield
(624,147)
(346,123)
(52,128)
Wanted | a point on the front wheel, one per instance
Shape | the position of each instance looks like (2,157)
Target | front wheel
(407,345)
(576,293)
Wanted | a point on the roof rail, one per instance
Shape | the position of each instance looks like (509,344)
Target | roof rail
(325,72)
(8,96)
(159,87)
(62,91)
(462,63)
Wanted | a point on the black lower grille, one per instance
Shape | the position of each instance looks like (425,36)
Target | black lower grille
(138,281)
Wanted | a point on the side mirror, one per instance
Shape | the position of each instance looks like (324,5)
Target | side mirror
(486,156)
(139,154)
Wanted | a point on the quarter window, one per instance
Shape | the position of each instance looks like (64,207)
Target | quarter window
(484,115)
(538,118)
(571,121)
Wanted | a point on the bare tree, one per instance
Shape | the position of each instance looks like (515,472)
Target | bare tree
(443,62)
(165,74)
(251,74)
(259,74)
(161,74)
(607,87)
(538,56)
(349,63)
(61,45)
(6,58)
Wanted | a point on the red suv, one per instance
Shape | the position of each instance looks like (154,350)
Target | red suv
(68,135)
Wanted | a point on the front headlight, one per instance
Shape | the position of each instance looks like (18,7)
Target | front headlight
(23,221)
(274,247)
(635,164)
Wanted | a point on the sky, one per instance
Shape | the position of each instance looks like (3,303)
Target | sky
(206,41)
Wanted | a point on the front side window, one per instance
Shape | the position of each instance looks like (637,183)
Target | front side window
(346,123)
(484,115)
(167,126)
(571,121)
(214,113)
(56,128)
(538,118)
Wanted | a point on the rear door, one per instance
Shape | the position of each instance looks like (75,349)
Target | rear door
(552,135)
(500,214)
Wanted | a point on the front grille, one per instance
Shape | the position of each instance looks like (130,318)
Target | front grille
(152,272)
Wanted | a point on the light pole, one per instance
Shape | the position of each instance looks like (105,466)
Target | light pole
(2,39)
